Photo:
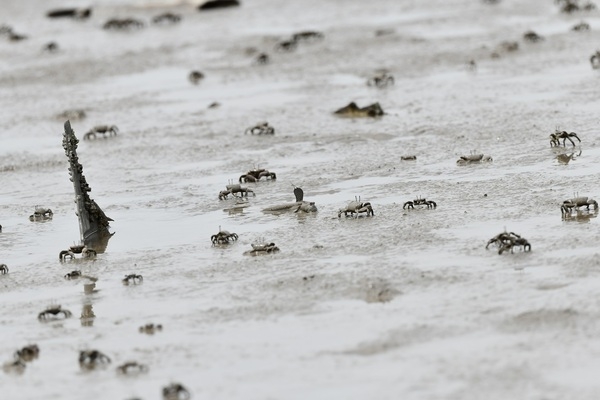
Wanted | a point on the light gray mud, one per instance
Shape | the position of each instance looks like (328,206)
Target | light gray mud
(405,304)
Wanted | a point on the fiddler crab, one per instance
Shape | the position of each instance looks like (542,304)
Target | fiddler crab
(299,37)
(570,6)
(581,27)
(166,18)
(564,135)
(381,80)
(420,202)
(595,60)
(262,249)
(286,46)
(77,249)
(104,130)
(27,353)
(531,36)
(355,208)
(132,367)
(195,77)
(223,237)
(76,274)
(262,59)
(54,312)
(3,269)
(132,279)
(150,329)
(473,159)
(256,174)
(50,47)
(508,241)
(41,214)
(123,24)
(90,359)
(307,36)
(176,391)
(575,203)
(261,128)
(233,189)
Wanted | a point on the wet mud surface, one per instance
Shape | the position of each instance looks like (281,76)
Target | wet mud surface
(408,302)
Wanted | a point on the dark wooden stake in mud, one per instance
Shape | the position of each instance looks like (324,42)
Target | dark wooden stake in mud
(93,223)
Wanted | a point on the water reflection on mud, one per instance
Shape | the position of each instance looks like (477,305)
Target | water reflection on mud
(87,315)
(565,158)
(583,216)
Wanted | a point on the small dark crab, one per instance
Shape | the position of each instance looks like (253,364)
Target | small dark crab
(531,36)
(124,24)
(262,59)
(224,237)
(570,6)
(381,80)
(286,46)
(261,128)
(27,353)
(53,312)
(132,368)
(104,130)
(307,36)
(3,269)
(176,391)
(262,249)
(86,253)
(473,159)
(41,214)
(76,274)
(195,77)
(355,208)
(420,202)
(576,202)
(595,60)
(255,175)
(150,329)
(132,279)
(233,189)
(90,359)
(564,135)
(50,47)
(166,18)
(581,27)
(501,238)
(508,241)
(515,242)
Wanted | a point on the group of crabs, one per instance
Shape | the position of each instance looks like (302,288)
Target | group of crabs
(505,241)
(509,240)
(354,208)
(89,359)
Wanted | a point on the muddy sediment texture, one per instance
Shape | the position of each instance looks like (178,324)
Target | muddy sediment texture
(405,303)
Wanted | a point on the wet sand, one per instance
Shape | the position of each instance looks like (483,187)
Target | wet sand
(405,304)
